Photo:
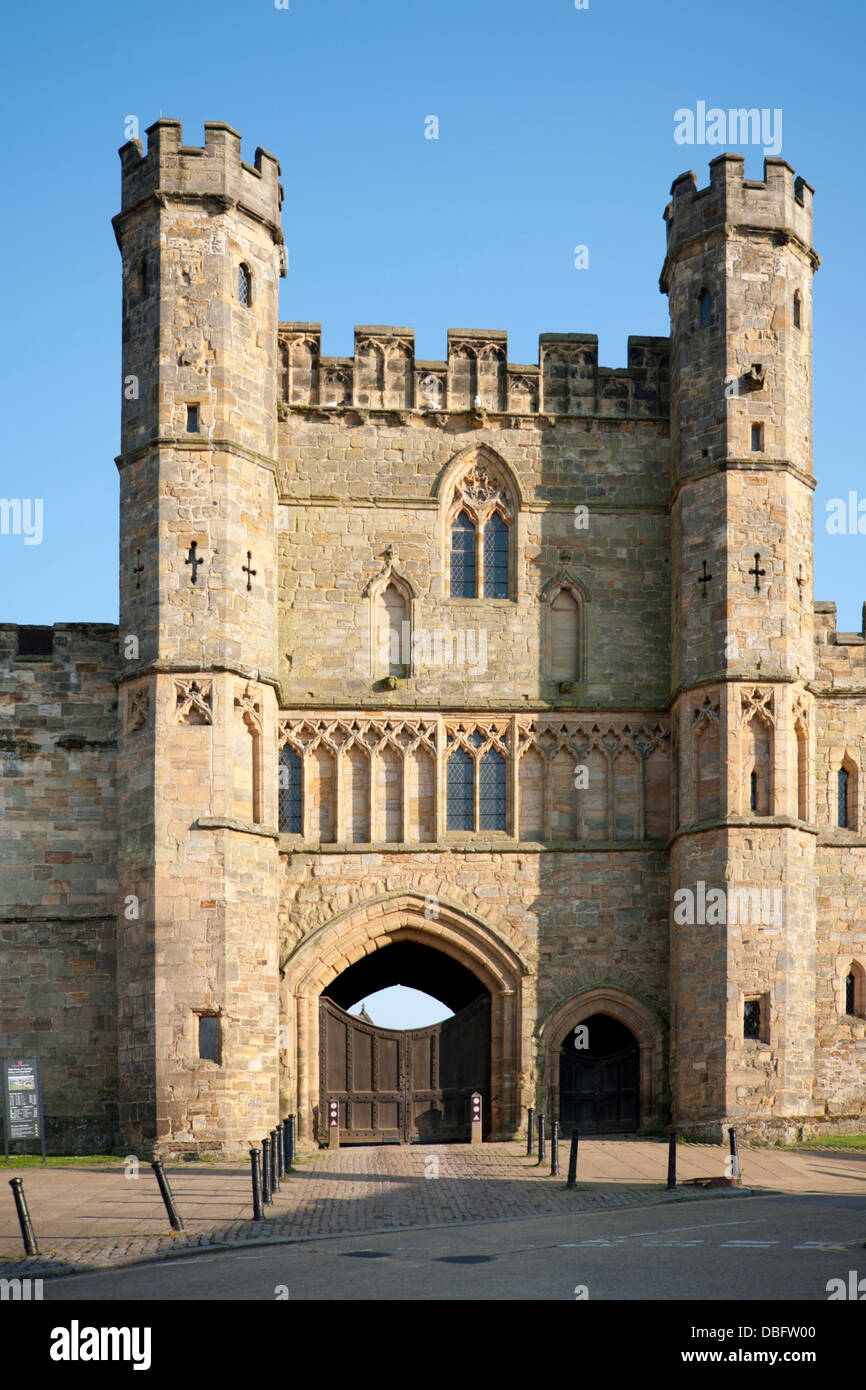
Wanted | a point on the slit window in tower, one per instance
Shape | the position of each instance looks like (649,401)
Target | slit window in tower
(850,993)
(842,797)
(245,286)
(754,789)
(797,304)
(208,1037)
(757,439)
(752,1018)
(192,419)
(705,307)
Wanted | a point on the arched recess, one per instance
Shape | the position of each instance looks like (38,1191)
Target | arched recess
(635,1015)
(334,946)
(390,601)
(564,599)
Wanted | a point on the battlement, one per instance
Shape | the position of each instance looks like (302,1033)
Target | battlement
(781,202)
(476,375)
(215,169)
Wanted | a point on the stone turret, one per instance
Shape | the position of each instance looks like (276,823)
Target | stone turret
(202,252)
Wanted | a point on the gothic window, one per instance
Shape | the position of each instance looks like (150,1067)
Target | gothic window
(290,792)
(797,309)
(245,286)
(707,801)
(752,1018)
(462,557)
(491,792)
(460,791)
(843,781)
(496,558)
(705,307)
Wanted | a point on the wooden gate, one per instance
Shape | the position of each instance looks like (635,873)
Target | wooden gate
(403,1087)
(600,1095)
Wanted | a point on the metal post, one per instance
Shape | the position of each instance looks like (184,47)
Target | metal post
(735,1157)
(290,1137)
(475,1136)
(541,1138)
(173,1217)
(672,1159)
(281,1151)
(572,1161)
(554,1149)
(529,1131)
(266,1172)
(275,1160)
(30,1246)
(258,1214)
(333,1124)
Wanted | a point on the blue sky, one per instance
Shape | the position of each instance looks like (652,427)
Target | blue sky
(556,129)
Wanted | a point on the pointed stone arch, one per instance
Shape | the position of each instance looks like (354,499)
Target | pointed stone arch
(643,1022)
(334,945)
(554,657)
(478,483)
(381,613)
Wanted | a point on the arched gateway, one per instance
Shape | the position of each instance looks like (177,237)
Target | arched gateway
(429,945)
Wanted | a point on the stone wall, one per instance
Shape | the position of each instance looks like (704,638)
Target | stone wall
(58,874)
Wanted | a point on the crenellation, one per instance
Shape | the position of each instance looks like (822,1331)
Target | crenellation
(385,375)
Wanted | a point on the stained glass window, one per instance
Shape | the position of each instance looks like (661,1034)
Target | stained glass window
(463,558)
(290,792)
(496,558)
(491,792)
(461,791)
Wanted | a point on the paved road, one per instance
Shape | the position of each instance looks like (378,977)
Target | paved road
(756,1248)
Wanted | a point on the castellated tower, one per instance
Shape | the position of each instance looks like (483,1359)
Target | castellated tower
(738,273)
(200,237)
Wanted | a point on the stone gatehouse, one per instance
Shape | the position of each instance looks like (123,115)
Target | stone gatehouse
(502,680)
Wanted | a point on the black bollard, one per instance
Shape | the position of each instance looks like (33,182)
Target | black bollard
(287,1145)
(541,1138)
(672,1158)
(258,1214)
(173,1217)
(572,1161)
(529,1131)
(281,1162)
(30,1246)
(290,1136)
(735,1157)
(554,1149)
(266,1172)
(275,1160)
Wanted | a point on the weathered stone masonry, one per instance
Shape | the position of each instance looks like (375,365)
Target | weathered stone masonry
(637,684)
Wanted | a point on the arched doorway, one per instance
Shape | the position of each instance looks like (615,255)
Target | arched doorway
(404,1086)
(453,936)
(599,1077)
